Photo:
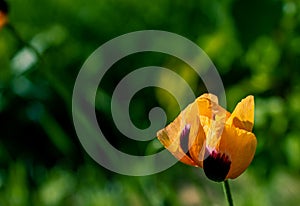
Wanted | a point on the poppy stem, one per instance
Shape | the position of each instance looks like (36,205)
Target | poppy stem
(61,89)
(16,34)
(227,192)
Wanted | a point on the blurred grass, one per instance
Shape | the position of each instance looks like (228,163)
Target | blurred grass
(255,46)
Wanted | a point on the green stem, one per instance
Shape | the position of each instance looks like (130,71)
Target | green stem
(227,192)
(58,86)
(16,34)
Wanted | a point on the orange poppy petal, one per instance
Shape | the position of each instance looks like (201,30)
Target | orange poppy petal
(243,114)
(213,98)
(208,106)
(3,19)
(174,139)
(240,146)
(212,116)
(197,136)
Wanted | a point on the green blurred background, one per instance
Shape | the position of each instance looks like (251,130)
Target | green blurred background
(255,46)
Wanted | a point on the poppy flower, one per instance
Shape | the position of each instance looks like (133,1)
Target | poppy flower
(3,13)
(206,135)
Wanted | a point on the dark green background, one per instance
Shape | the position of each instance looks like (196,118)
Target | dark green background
(255,46)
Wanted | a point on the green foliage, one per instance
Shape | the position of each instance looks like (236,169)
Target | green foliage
(255,46)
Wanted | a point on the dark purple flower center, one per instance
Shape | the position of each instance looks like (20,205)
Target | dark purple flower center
(216,165)
(3,6)
(184,139)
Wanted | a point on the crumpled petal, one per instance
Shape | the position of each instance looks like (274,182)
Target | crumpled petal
(208,106)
